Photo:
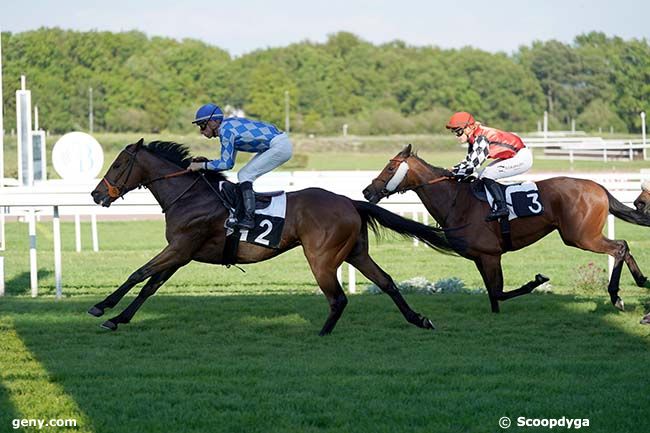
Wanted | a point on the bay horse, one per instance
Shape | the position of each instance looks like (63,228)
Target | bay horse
(576,208)
(331,229)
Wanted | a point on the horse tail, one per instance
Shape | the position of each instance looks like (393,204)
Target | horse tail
(627,213)
(375,215)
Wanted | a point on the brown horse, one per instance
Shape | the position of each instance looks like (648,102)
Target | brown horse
(331,229)
(576,208)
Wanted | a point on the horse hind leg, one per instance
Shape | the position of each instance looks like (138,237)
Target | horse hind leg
(329,284)
(617,249)
(638,276)
(364,263)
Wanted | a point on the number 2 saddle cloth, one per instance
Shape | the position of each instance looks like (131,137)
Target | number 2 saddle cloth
(270,211)
(522,198)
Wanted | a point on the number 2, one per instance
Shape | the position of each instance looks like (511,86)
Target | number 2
(269,226)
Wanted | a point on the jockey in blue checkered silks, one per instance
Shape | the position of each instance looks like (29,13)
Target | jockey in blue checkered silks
(272,146)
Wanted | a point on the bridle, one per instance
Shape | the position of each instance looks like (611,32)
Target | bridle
(116,192)
(386,193)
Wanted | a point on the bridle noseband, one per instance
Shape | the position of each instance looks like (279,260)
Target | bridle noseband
(116,192)
(386,193)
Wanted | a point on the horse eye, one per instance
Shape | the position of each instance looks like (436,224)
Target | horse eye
(391,168)
(117,165)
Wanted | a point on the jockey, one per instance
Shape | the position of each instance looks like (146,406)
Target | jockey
(272,147)
(510,154)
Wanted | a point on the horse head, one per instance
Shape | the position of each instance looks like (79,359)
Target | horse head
(642,202)
(405,171)
(122,176)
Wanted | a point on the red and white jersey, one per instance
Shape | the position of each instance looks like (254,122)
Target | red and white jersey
(501,144)
(487,143)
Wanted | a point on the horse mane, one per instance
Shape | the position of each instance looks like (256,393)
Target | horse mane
(179,154)
(438,171)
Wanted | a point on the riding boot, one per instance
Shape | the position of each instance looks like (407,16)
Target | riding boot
(248,196)
(500,209)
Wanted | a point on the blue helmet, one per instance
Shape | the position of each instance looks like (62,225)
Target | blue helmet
(208,112)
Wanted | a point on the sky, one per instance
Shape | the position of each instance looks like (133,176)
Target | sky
(241,26)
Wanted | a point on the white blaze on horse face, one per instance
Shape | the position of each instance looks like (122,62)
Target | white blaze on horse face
(398,177)
(645,186)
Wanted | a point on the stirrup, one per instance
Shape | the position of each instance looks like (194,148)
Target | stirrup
(246,223)
(232,223)
(497,214)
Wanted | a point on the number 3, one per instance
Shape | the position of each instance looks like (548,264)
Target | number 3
(537,208)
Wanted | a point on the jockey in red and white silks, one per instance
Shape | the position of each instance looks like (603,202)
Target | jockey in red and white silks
(510,154)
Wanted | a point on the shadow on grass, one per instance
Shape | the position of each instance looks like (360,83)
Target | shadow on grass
(254,363)
(21,283)
(8,412)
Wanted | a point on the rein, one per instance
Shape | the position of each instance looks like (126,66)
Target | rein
(116,192)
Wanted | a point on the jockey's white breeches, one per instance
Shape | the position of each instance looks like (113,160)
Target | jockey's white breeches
(500,168)
(278,153)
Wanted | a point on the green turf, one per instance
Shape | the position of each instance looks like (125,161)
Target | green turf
(219,350)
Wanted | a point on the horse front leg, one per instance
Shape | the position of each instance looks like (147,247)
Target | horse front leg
(161,261)
(149,289)
(490,269)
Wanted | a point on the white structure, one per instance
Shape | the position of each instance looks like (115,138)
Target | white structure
(77,157)
(24,135)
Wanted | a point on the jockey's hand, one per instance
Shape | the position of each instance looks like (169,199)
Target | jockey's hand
(198,166)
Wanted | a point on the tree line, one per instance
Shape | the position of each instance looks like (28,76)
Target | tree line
(155,84)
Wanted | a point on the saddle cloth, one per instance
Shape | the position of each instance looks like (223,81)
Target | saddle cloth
(270,212)
(522,199)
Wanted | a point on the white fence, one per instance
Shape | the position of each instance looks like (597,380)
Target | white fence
(56,198)
(588,148)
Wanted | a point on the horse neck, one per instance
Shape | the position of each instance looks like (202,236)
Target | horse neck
(437,197)
(165,191)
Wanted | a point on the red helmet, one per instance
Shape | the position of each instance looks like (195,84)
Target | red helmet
(462,119)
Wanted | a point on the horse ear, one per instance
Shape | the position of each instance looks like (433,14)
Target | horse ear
(139,143)
(406,151)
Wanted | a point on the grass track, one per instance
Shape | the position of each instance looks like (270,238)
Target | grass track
(222,351)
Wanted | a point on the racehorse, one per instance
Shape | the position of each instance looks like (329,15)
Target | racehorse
(576,208)
(331,229)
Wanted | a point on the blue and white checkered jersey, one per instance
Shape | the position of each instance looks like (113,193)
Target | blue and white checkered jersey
(237,133)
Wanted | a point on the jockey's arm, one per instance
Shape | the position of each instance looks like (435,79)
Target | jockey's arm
(228,152)
(474,159)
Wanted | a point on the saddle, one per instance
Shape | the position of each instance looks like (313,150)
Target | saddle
(270,211)
(233,200)
(522,200)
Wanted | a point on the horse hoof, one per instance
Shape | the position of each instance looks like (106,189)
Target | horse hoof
(426,324)
(109,325)
(97,312)
(541,278)
(642,282)
(645,320)
(620,304)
